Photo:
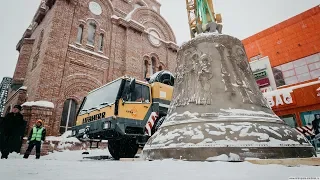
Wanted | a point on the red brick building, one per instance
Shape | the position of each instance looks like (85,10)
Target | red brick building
(72,47)
(293,50)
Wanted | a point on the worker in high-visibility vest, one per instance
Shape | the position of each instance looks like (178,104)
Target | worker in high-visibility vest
(36,138)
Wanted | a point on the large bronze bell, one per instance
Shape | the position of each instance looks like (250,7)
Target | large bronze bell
(218,111)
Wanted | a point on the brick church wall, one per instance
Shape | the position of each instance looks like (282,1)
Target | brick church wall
(32,113)
(22,64)
(19,97)
(38,55)
(59,68)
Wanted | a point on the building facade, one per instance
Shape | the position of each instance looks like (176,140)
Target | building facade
(72,47)
(263,74)
(4,88)
(293,50)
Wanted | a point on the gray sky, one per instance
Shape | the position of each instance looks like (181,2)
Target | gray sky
(241,18)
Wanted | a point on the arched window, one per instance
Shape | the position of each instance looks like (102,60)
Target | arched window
(91,33)
(153,65)
(101,38)
(80,34)
(68,118)
(145,69)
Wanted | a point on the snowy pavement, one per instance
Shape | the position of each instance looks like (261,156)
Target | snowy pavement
(70,165)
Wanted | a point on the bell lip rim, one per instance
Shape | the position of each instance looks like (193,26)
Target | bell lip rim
(161,147)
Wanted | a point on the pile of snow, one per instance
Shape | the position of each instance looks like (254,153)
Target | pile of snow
(46,104)
(63,138)
(65,155)
(224,157)
(65,142)
(14,155)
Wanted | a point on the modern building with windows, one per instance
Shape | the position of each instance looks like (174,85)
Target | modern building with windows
(263,74)
(285,60)
(4,88)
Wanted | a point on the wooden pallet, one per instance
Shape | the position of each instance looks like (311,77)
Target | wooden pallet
(287,162)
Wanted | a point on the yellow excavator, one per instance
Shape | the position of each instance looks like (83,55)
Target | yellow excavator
(127,112)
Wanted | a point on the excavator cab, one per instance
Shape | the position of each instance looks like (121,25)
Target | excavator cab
(126,112)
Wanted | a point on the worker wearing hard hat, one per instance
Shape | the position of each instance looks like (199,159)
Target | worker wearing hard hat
(36,138)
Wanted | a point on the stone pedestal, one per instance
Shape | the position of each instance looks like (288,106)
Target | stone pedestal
(32,113)
(218,111)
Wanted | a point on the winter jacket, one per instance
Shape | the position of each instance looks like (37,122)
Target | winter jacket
(1,128)
(1,119)
(43,137)
(12,129)
(12,124)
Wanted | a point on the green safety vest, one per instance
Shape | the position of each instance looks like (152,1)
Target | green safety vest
(37,134)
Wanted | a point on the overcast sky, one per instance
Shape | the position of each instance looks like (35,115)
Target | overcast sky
(241,18)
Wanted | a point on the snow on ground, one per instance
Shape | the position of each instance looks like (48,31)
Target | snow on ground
(69,165)
(63,138)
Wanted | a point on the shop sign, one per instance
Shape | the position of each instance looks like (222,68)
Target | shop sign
(280,99)
(263,82)
(260,74)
